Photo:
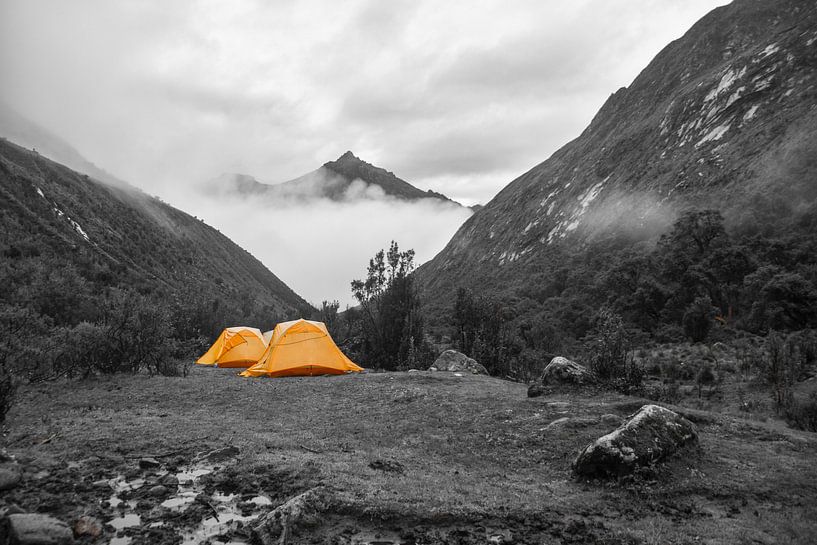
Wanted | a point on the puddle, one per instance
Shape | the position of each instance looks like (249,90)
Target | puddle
(182,499)
(126,521)
(231,512)
(191,474)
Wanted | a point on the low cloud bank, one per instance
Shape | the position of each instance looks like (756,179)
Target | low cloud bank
(319,245)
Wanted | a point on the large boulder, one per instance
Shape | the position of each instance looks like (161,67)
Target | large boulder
(36,529)
(451,360)
(650,435)
(296,516)
(564,371)
(561,371)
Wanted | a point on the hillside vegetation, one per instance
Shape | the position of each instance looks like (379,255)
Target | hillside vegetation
(715,138)
(105,278)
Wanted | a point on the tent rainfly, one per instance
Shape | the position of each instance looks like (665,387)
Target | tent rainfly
(301,348)
(235,347)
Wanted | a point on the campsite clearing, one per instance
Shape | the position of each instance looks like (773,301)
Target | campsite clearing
(413,457)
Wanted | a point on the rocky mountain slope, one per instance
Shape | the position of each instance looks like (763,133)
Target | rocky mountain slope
(345,178)
(724,117)
(119,236)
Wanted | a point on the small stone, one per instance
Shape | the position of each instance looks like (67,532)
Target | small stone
(610,419)
(158,491)
(170,481)
(222,454)
(10,476)
(36,529)
(149,463)
(536,389)
(87,526)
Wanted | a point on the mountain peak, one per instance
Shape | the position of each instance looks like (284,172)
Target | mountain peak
(348,156)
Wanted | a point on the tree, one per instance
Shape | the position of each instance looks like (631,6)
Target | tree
(392,325)
(698,318)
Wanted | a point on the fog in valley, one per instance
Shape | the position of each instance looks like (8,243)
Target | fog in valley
(317,245)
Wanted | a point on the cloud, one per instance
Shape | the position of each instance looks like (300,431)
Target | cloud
(317,246)
(456,97)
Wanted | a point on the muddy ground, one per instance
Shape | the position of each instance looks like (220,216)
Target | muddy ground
(415,457)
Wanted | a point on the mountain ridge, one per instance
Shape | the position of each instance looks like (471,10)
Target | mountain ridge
(723,117)
(122,237)
(346,177)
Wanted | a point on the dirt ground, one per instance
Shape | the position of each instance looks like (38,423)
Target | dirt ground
(415,457)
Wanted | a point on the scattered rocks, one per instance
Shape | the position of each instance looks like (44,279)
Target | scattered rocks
(389,466)
(451,360)
(564,371)
(149,463)
(296,515)
(87,526)
(650,435)
(10,476)
(221,455)
(36,529)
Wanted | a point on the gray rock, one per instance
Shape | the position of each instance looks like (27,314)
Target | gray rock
(87,526)
(610,419)
(222,454)
(149,463)
(10,476)
(650,435)
(158,491)
(564,371)
(536,389)
(451,360)
(36,529)
(170,481)
(297,515)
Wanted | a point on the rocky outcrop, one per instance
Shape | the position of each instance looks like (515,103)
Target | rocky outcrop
(561,370)
(451,360)
(36,529)
(564,371)
(650,435)
(295,517)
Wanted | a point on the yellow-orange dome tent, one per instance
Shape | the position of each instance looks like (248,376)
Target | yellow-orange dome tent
(235,347)
(301,348)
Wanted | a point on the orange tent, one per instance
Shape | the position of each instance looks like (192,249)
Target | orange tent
(235,347)
(301,348)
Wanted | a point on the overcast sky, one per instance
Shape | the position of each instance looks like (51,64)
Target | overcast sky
(459,97)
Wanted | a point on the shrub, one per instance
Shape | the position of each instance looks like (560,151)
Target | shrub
(697,319)
(802,414)
(608,352)
(8,389)
(705,377)
(392,326)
